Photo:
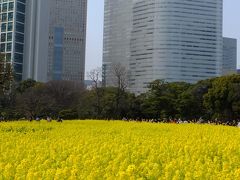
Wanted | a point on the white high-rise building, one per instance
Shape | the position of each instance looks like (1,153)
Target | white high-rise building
(163,39)
(36,40)
(117,36)
(229,56)
(44,39)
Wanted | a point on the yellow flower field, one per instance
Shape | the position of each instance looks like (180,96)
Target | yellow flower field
(118,150)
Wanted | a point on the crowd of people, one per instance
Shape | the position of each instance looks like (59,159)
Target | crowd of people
(164,120)
(181,121)
(31,119)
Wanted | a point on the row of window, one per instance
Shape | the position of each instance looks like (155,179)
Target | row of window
(7,57)
(18,58)
(7,7)
(7,47)
(20,17)
(6,37)
(2,1)
(7,27)
(7,17)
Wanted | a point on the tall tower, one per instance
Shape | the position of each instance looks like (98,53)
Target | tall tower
(36,40)
(67,40)
(229,56)
(44,39)
(171,40)
(12,25)
(117,36)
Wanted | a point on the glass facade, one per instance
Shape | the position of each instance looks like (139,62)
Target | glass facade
(12,14)
(117,36)
(58,53)
(67,39)
(229,56)
(171,40)
(54,45)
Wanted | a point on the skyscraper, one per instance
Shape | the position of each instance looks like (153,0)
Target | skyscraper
(12,33)
(229,56)
(117,35)
(67,39)
(36,40)
(171,40)
(45,39)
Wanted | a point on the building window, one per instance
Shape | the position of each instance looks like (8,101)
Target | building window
(3,47)
(18,58)
(3,37)
(58,53)
(9,46)
(8,57)
(9,36)
(10,26)
(21,7)
(4,17)
(20,27)
(10,16)
(4,7)
(20,17)
(4,27)
(18,68)
(10,6)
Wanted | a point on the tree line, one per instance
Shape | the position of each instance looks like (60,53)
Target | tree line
(216,99)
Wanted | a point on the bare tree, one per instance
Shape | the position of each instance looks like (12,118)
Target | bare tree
(53,98)
(120,80)
(35,102)
(95,76)
(65,93)
(6,75)
(119,76)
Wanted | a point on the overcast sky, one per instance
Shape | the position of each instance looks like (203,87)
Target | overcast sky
(231,28)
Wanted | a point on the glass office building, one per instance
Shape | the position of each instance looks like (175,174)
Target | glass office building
(154,39)
(44,39)
(67,40)
(229,56)
(117,35)
(12,24)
